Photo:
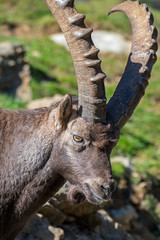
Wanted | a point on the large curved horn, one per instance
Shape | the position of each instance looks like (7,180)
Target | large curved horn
(92,101)
(132,85)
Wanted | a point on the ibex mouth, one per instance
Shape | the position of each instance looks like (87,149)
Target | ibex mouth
(75,196)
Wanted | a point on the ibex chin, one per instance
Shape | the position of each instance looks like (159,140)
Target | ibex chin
(41,149)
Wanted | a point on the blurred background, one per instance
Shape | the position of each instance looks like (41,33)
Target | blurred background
(35,64)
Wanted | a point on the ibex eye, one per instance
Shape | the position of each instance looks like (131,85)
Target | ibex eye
(77,138)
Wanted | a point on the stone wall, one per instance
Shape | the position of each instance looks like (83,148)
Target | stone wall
(15,74)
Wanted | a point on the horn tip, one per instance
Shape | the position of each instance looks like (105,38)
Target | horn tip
(109,13)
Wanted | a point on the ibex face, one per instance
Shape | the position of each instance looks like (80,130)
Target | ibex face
(85,156)
(82,152)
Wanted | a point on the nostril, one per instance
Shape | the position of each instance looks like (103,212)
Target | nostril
(109,188)
(105,187)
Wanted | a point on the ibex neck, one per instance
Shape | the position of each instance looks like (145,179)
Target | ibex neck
(34,195)
(29,175)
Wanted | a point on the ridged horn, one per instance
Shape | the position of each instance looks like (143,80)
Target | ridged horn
(90,78)
(134,81)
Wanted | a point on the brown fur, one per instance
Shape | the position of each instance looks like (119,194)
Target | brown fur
(38,154)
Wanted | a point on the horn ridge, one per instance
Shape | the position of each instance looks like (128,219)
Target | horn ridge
(135,78)
(64,3)
(90,76)
(83,33)
(76,19)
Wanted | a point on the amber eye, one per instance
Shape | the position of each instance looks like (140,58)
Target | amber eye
(77,139)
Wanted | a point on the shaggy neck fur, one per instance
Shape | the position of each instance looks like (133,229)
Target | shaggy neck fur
(27,173)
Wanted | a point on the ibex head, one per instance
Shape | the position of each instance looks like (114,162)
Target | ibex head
(84,150)
(91,129)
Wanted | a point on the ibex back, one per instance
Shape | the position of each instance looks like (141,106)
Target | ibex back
(42,148)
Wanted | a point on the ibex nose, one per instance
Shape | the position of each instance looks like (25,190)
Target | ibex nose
(105,187)
(109,188)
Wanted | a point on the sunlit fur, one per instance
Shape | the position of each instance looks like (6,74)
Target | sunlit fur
(38,154)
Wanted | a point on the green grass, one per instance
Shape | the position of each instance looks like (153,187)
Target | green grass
(52,70)
(11,103)
(119,170)
(35,14)
(38,16)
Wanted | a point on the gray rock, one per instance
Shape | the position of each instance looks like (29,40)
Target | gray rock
(54,215)
(126,162)
(110,230)
(138,193)
(15,73)
(111,42)
(39,228)
(137,237)
(142,231)
(44,102)
(124,215)
(76,232)
(105,41)
(59,38)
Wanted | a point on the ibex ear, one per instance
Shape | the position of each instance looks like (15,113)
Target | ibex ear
(64,110)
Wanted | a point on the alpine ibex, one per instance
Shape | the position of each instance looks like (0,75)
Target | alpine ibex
(42,148)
